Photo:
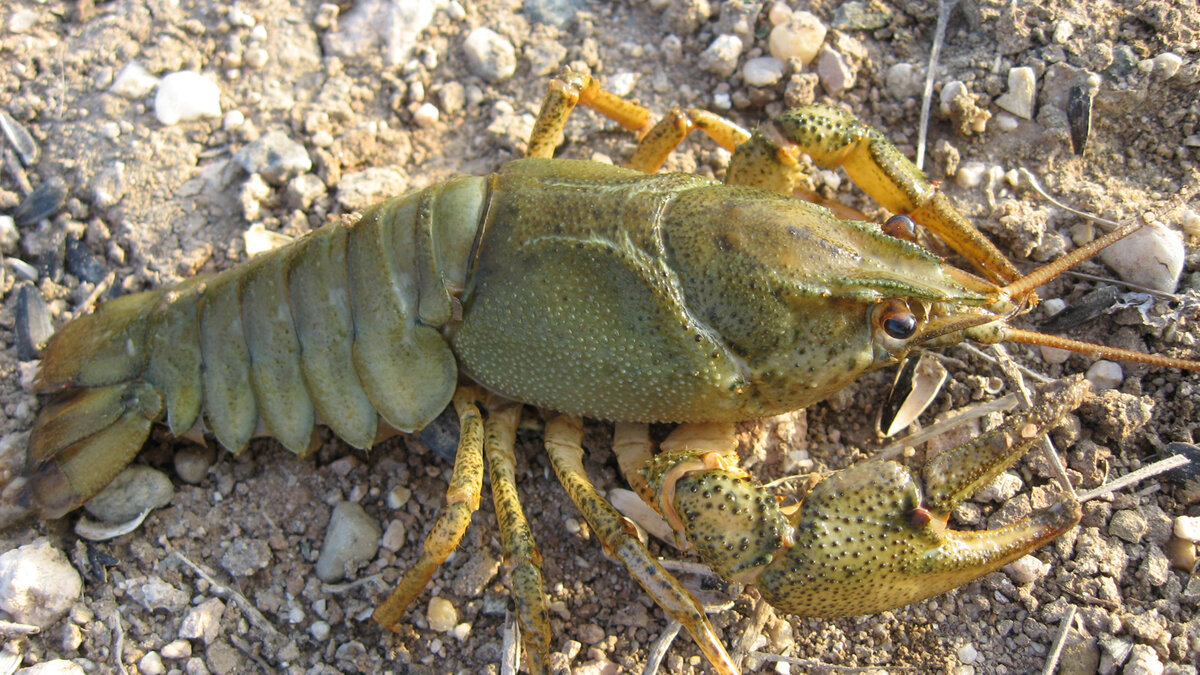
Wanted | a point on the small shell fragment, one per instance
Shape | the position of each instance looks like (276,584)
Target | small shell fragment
(1079,117)
(917,384)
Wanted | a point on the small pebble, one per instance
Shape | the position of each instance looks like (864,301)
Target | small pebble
(1054,354)
(970,175)
(968,654)
(426,115)
(186,95)
(1152,257)
(151,664)
(1128,525)
(1181,553)
(259,239)
(351,540)
(274,156)
(155,593)
(138,488)
(835,73)
(246,556)
(441,614)
(395,536)
(1003,488)
(53,667)
(475,575)
(904,81)
(1143,660)
(721,57)
(203,622)
(800,38)
(38,585)
(1188,528)
(763,71)
(1006,122)
(109,186)
(861,16)
(133,82)
(319,630)
(398,496)
(1105,375)
(490,55)
(1027,570)
(192,462)
(358,190)
(557,13)
(9,235)
(1022,85)
(22,20)
(461,632)
(1167,65)
(177,649)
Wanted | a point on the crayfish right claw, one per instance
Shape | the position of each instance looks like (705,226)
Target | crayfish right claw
(871,537)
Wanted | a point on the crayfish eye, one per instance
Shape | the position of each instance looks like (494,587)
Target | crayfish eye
(901,226)
(898,321)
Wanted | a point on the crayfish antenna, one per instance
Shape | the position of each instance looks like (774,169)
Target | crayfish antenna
(1023,288)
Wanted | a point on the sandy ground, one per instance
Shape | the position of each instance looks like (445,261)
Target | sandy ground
(182,208)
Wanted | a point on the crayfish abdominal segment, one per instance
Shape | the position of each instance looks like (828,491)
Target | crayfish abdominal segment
(589,291)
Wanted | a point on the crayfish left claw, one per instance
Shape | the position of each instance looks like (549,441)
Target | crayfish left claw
(871,537)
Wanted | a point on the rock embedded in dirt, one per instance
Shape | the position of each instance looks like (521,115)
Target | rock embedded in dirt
(184,96)
(799,37)
(490,55)
(721,57)
(203,622)
(1152,257)
(351,540)
(37,583)
(138,488)
(1022,87)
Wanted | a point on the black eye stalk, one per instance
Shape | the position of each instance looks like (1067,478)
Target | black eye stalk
(901,226)
(900,323)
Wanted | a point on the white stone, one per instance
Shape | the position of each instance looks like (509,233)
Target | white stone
(970,175)
(426,115)
(490,55)
(351,540)
(1055,355)
(799,38)
(1189,221)
(203,621)
(904,81)
(1167,64)
(53,667)
(133,81)
(1006,122)
(1063,30)
(1105,375)
(441,614)
(1152,257)
(1027,570)
(319,630)
(1022,85)
(1001,489)
(1188,527)
(836,75)
(763,71)
(779,13)
(721,57)
(151,664)
(622,83)
(391,26)
(1143,660)
(968,654)
(37,583)
(395,536)
(186,95)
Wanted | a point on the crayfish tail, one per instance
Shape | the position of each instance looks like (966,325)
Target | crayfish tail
(81,441)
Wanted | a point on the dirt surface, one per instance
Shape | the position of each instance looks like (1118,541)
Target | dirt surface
(176,204)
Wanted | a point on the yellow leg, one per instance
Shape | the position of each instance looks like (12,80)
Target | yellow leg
(670,131)
(631,444)
(462,500)
(521,555)
(563,437)
(564,94)
(835,138)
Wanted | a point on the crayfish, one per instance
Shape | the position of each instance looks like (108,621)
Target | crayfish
(588,290)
